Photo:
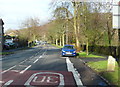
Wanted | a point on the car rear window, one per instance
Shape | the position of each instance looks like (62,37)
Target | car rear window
(68,47)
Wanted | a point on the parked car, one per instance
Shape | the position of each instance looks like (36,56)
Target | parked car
(6,46)
(68,50)
(12,45)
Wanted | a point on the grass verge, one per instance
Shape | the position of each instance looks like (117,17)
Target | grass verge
(83,54)
(101,68)
(57,46)
(6,53)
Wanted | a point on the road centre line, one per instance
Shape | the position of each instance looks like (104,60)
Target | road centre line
(40,57)
(8,69)
(25,69)
(35,60)
(71,68)
(23,62)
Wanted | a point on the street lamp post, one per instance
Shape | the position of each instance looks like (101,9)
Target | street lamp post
(119,42)
(116,25)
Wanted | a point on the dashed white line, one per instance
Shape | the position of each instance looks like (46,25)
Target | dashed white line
(8,69)
(40,57)
(25,69)
(71,68)
(35,60)
(23,62)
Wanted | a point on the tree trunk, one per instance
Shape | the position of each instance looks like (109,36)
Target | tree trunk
(109,38)
(56,41)
(63,40)
(67,38)
(60,41)
(87,49)
(75,29)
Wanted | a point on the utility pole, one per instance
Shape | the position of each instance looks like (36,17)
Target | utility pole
(1,35)
(119,34)
(116,25)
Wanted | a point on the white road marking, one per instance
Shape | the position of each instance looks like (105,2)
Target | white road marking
(35,60)
(1,82)
(25,69)
(23,62)
(15,70)
(40,57)
(8,83)
(23,65)
(70,68)
(8,69)
(34,75)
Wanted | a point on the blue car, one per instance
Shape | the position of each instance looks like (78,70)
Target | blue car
(68,50)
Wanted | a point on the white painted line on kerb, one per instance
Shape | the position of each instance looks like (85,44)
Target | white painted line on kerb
(25,69)
(35,60)
(8,83)
(71,68)
(8,69)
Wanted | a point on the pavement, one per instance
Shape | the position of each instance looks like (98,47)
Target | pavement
(44,66)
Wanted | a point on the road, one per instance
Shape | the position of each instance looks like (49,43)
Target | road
(43,65)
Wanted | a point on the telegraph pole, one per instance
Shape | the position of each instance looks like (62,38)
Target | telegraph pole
(116,25)
(119,34)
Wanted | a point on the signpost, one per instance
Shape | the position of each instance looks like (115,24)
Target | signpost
(116,24)
(116,14)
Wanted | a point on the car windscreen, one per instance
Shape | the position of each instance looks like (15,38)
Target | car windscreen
(68,47)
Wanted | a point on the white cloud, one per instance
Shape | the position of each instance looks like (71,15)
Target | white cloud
(14,11)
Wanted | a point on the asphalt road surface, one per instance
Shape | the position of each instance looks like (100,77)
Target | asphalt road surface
(44,66)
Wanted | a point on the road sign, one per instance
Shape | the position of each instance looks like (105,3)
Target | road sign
(116,14)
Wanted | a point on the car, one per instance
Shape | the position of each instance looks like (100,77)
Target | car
(6,46)
(68,50)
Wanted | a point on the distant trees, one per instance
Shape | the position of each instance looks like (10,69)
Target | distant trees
(79,23)
(84,23)
(30,26)
(30,31)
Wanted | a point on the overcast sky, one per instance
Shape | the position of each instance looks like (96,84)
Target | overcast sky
(13,12)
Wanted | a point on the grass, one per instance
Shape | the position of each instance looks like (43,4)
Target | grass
(5,53)
(83,54)
(101,68)
(57,46)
